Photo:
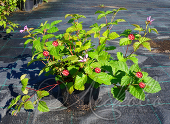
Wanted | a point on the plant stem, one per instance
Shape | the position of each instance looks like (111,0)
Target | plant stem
(126,50)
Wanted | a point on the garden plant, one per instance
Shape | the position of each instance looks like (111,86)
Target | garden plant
(74,59)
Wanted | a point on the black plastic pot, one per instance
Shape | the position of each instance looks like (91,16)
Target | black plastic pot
(27,6)
(81,100)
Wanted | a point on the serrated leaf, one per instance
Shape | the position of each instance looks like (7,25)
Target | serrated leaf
(72,69)
(101,16)
(24,98)
(137,92)
(80,81)
(134,59)
(67,15)
(103,40)
(126,32)
(71,20)
(126,80)
(135,68)
(136,46)
(28,105)
(120,57)
(121,66)
(118,93)
(152,86)
(147,45)
(42,106)
(47,36)
(144,39)
(27,41)
(52,30)
(113,35)
(120,20)
(101,78)
(106,33)
(55,22)
(37,45)
(42,93)
(122,9)
(124,41)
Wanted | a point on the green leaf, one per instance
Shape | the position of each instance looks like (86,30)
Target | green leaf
(147,45)
(27,41)
(155,30)
(72,69)
(120,57)
(103,40)
(67,15)
(113,35)
(124,41)
(71,20)
(118,93)
(108,12)
(23,76)
(126,32)
(106,33)
(101,16)
(100,12)
(24,83)
(80,81)
(52,30)
(121,66)
(135,68)
(55,22)
(72,58)
(152,86)
(8,30)
(137,92)
(70,87)
(37,45)
(20,105)
(134,59)
(137,26)
(28,105)
(122,9)
(110,48)
(47,36)
(136,46)
(143,39)
(138,29)
(120,20)
(100,48)
(42,93)
(24,98)
(42,106)
(101,78)
(126,80)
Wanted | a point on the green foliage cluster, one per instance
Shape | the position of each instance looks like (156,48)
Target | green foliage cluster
(75,44)
(6,7)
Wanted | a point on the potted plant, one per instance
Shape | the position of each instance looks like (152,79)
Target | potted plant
(75,61)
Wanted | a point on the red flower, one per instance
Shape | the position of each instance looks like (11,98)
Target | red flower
(131,37)
(46,53)
(139,74)
(97,70)
(65,72)
(142,85)
(55,43)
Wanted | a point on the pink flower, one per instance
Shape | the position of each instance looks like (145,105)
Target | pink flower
(149,20)
(83,59)
(25,29)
